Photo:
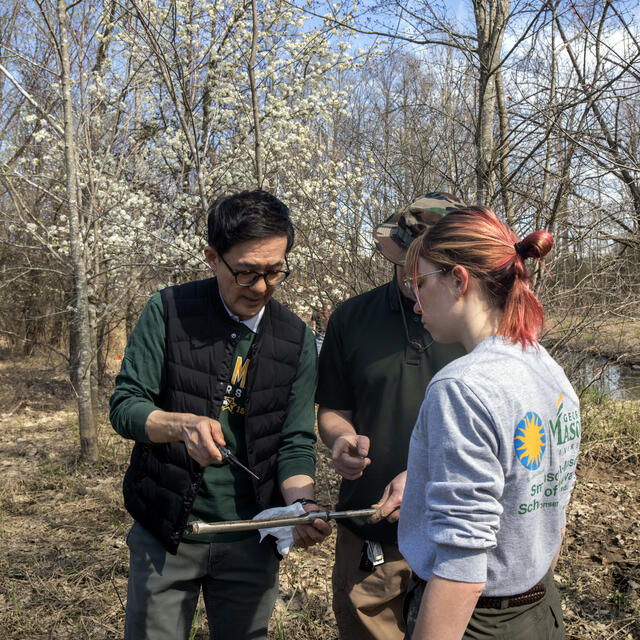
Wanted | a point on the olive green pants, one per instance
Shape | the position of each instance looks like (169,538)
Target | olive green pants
(541,620)
(239,582)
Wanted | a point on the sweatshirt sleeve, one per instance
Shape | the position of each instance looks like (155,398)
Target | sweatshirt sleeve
(141,376)
(297,451)
(466,480)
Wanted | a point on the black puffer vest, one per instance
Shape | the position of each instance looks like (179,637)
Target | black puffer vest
(162,480)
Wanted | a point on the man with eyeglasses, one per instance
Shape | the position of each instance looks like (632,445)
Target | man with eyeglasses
(217,363)
(375,364)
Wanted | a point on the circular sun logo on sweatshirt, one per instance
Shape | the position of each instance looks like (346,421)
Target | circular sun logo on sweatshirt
(530,441)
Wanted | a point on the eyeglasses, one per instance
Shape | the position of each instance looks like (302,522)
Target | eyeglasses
(249,278)
(412,283)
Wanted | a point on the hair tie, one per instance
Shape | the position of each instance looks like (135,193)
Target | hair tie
(519,249)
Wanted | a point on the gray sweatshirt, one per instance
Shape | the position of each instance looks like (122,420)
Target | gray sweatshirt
(491,468)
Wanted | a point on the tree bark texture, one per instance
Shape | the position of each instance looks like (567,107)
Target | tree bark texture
(491,20)
(81,323)
(255,106)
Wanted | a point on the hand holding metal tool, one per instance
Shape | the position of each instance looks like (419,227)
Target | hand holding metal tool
(227,455)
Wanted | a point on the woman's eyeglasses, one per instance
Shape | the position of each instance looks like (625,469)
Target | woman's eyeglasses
(413,283)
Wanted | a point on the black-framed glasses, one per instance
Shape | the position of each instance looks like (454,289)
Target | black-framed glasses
(249,278)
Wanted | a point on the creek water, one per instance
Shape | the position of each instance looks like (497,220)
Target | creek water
(615,380)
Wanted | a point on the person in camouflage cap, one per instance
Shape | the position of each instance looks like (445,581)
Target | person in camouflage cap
(375,363)
(396,233)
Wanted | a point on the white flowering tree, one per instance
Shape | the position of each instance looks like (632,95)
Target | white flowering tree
(164,106)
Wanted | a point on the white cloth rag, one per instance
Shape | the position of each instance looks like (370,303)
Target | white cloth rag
(284,535)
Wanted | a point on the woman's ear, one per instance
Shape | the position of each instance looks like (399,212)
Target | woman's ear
(460,279)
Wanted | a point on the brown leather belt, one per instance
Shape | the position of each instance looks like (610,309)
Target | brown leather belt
(528,597)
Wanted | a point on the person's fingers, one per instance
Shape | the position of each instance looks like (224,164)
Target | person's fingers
(200,439)
(341,448)
(394,516)
(301,537)
(309,534)
(383,498)
(322,527)
(391,505)
(296,538)
(349,455)
(352,465)
(387,507)
(216,431)
(350,445)
(313,535)
(305,536)
(212,436)
(349,467)
(389,511)
(385,512)
(348,475)
(362,446)
(376,517)
(351,462)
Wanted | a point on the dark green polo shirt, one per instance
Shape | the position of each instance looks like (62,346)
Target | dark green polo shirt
(368,366)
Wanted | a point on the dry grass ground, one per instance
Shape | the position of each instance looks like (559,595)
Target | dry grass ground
(597,335)
(63,559)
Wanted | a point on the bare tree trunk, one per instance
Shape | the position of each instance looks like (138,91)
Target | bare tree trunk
(257,138)
(99,290)
(503,150)
(93,333)
(551,117)
(491,20)
(83,358)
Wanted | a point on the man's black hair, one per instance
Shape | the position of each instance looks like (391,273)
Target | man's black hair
(245,216)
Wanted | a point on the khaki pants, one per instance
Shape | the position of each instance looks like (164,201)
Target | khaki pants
(368,605)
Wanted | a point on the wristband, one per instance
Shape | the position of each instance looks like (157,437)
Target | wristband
(304,501)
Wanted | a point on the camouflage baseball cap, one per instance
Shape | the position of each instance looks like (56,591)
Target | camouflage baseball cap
(395,234)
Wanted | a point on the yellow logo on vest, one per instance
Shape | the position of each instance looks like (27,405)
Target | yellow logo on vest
(240,372)
(233,402)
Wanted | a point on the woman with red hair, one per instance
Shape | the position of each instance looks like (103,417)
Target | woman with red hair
(493,453)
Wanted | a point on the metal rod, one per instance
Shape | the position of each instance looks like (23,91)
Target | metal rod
(198,528)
